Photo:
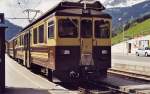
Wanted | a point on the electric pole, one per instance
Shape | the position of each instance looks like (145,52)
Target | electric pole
(29,12)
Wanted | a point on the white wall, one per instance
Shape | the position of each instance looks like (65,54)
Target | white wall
(122,47)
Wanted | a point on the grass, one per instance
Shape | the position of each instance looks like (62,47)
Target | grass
(140,29)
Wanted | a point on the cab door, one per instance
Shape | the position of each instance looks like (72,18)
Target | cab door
(86,38)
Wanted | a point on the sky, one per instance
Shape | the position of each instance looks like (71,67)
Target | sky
(15,8)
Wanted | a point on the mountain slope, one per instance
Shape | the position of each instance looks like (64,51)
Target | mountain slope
(121,3)
(128,13)
(12,30)
(140,29)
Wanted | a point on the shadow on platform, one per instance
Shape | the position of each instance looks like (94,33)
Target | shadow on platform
(12,90)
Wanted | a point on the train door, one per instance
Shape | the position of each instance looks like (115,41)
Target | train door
(86,30)
(27,50)
(14,44)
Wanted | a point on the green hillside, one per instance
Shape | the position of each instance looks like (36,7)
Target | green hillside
(140,29)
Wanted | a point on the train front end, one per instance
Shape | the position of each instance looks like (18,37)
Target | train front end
(95,47)
(83,47)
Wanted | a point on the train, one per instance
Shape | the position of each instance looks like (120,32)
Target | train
(71,41)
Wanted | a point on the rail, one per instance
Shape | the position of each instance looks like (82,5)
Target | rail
(129,74)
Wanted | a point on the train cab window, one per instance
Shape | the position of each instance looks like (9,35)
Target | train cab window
(102,29)
(86,28)
(35,35)
(51,29)
(68,28)
(41,34)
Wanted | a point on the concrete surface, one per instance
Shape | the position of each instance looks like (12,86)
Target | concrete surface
(20,80)
(129,62)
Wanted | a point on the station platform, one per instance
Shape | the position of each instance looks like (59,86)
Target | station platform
(129,86)
(136,89)
(20,80)
(129,62)
(134,66)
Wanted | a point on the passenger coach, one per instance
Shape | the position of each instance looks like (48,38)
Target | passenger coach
(71,41)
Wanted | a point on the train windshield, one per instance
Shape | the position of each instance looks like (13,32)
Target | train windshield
(102,29)
(68,28)
(86,28)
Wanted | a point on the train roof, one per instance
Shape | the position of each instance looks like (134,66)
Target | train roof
(66,5)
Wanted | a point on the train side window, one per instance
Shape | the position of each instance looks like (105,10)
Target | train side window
(102,29)
(25,39)
(20,41)
(35,35)
(51,29)
(15,42)
(41,34)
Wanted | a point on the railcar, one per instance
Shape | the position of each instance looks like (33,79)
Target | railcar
(70,41)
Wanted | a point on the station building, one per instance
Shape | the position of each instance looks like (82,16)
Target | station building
(139,42)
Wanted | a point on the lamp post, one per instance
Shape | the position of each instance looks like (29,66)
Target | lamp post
(120,19)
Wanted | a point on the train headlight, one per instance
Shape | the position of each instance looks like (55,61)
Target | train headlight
(104,52)
(66,52)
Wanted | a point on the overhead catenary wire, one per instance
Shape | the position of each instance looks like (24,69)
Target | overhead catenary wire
(28,11)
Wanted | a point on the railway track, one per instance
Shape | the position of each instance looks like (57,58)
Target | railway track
(129,89)
(129,74)
(133,89)
(91,87)
(99,88)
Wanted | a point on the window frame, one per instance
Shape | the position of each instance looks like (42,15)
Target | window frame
(51,25)
(39,33)
(36,35)
(20,40)
(92,33)
(105,20)
(73,18)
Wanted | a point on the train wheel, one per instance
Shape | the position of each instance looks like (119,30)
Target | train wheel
(35,68)
(50,75)
(20,61)
(103,73)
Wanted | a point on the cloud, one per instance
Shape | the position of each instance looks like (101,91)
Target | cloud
(12,10)
(47,4)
